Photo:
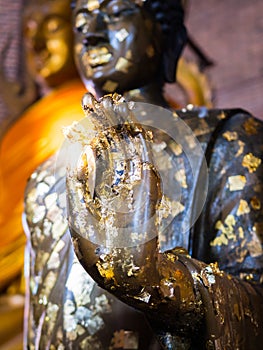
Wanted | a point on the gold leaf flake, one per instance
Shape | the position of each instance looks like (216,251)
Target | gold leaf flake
(159,147)
(176,208)
(255,203)
(251,162)
(176,148)
(105,269)
(227,231)
(96,56)
(110,86)
(243,208)
(123,65)
(135,92)
(223,171)
(59,246)
(172,257)
(128,55)
(163,161)
(240,151)
(180,176)
(236,183)
(53,261)
(219,225)
(48,285)
(191,141)
(93,5)
(78,48)
(143,296)
(230,220)
(50,199)
(202,129)
(241,232)
(254,246)
(51,316)
(72,335)
(122,34)
(41,260)
(168,208)
(251,126)
(230,135)
(39,213)
(207,276)
(54,213)
(89,71)
(218,241)
(80,330)
(150,51)
(221,116)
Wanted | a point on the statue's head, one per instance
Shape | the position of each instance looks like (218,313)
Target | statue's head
(49,41)
(126,44)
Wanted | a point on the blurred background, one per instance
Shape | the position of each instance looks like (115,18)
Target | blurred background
(230,32)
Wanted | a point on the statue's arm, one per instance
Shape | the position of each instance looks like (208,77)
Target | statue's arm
(184,298)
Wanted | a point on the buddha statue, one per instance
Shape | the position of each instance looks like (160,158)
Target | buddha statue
(48,41)
(204,289)
(48,50)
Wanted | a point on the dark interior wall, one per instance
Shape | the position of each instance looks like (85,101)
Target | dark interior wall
(231,32)
(10,47)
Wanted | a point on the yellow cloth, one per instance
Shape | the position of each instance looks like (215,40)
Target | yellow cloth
(28,142)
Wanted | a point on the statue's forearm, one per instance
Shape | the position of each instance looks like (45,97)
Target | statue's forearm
(182,296)
(231,310)
(159,284)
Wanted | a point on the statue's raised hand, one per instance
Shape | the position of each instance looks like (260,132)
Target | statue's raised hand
(113,195)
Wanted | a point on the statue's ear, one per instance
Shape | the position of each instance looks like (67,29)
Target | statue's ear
(174,47)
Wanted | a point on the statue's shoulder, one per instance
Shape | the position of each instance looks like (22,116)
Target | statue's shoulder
(209,124)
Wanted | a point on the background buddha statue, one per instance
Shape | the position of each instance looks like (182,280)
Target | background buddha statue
(47,56)
(115,42)
(48,41)
(32,137)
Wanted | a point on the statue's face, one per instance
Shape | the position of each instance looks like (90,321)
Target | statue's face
(117,44)
(49,41)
